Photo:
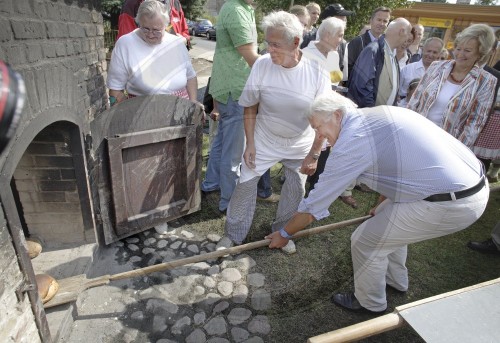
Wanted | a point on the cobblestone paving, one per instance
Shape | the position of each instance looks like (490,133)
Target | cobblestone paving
(220,300)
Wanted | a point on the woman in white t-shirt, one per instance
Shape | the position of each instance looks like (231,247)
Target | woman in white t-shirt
(149,60)
(281,86)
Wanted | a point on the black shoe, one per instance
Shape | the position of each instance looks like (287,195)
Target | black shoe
(364,188)
(349,302)
(487,247)
(395,289)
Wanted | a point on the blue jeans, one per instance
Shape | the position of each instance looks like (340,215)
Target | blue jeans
(264,189)
(223,170)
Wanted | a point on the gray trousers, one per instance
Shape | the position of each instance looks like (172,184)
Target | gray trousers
(241,208)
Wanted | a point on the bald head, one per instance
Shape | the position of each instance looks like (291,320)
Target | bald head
(398,32)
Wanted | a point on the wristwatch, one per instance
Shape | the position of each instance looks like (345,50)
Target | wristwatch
(285,234)
(315,157)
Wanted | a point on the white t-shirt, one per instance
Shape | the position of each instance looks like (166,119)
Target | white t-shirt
(410,72)
(145,69)
(330,62)
(282,130)
(284,95)
(448,90)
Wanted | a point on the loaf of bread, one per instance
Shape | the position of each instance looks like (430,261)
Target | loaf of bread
(47,286)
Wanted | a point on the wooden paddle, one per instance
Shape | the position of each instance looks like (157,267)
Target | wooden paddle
(70,288)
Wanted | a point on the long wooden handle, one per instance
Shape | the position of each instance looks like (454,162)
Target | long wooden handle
(361,330)
(230,251)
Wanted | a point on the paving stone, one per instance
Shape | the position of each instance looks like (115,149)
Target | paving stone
(132,240)
(197,336)
(193,248)
(261,300)
(199,318)
(119,244)
(176,245)
(187,234)
(238,315)
(146,233)
(223,305)
(164,340)
(162,244)
(239,334)
(212,298)
(177,327)
(162,228)
(217,340)
(184,245)
(216,326)
(167,255)
(137,315)
(149,241)
(225,288)
(209,282)
(213,270)
(146,251)
(159,324)
(240,294)
(210,247)
(198,290)
(161,305)
(200,266)
(259,325)
(212,237)
(231,275)
(246,261)
(255,339)
(256,279)
(133,247)
(134,259)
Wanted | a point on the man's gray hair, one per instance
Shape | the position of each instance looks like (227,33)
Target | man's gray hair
(151,8)
(287,22)
(432,39)
(330,26)
(483,34)
(327,103)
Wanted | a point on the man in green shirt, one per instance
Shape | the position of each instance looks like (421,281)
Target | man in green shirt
(235,53)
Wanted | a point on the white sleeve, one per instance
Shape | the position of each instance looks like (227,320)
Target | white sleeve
(251,92)
(117,72)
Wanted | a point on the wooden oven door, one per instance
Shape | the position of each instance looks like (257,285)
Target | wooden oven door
(144,164)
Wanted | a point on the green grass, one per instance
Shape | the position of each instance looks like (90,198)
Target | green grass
(302,284)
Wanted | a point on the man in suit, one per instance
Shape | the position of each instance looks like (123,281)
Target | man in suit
(375,76)
(378,23)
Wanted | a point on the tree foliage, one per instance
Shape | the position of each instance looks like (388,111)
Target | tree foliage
(193,9)
(362,9)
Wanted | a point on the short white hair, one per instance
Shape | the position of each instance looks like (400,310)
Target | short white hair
(330,26)
(287,22)
(151,8)
(327,103)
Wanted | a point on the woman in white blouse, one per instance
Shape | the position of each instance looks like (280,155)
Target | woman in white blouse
(149,60)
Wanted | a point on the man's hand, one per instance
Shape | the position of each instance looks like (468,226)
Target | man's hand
(309,165)
(277,241)
(214,115)
(249,156)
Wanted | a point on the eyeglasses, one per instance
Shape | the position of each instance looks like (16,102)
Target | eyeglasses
(154,32)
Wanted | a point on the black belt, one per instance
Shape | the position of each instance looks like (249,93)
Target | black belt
(458,195)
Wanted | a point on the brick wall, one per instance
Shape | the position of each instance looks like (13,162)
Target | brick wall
(58,48)
(17,323)
(45,180)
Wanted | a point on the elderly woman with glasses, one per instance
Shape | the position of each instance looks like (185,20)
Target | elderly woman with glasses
(149,60)
(281,86)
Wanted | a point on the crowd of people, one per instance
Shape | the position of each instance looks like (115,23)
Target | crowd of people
(390,111)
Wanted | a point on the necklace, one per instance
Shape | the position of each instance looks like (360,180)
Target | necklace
(455,80)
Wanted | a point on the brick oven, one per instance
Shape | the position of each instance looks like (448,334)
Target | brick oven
(74,174)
